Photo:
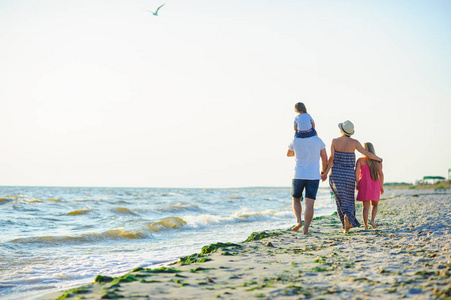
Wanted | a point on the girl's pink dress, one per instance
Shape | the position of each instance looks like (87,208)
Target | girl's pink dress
(368,188)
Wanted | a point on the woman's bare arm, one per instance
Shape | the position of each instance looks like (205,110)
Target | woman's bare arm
(331,158)
(368,154)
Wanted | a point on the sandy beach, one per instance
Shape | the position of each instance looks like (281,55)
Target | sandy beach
(407,256)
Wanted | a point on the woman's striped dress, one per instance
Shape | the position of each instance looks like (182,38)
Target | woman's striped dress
(342,183)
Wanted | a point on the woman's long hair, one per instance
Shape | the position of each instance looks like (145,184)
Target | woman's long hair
(372,164)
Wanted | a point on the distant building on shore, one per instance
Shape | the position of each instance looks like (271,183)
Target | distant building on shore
(432,179)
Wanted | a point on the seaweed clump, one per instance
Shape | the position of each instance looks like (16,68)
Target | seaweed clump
(156,270)
(193,258)
(215,247)
(256,236)
(72,292)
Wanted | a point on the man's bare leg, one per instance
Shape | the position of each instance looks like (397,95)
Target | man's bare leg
(308,214)
(297,209)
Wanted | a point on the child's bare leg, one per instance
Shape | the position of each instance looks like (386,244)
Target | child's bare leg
(373,213)
(365,211)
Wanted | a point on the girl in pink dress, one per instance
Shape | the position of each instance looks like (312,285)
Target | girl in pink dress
(369,183)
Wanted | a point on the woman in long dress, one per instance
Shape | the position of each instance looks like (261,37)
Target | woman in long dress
(342,177)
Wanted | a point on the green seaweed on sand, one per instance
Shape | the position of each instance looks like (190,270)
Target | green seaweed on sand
(111,295)
(157,270)
(72,292)
(149,281)
(295,290)
(126,278)
(318,269)
(256,236)
(321,260)
(215,247)
(193,258)
(249,283)
(176,281)
(200,269)
(103,279)
(229,253)
(137,269)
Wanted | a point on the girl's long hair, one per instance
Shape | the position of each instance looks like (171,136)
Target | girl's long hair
(300,108)
(372,164)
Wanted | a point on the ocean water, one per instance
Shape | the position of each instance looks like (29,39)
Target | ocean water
(55,238)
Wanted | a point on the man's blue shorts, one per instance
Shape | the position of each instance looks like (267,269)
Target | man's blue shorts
(311,188)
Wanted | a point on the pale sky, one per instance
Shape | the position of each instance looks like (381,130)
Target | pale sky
(103,93)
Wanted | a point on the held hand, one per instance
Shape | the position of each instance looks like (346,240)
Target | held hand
(357,185)
(323,177)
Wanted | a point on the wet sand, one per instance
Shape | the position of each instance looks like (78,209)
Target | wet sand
(407,256)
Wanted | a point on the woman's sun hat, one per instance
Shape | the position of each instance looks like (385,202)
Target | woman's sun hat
(347,127)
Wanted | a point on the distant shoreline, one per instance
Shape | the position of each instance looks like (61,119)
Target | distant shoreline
(390,185)
(404,186)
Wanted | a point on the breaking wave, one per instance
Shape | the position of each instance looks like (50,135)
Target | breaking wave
(123,211)
(146,230)
(240,216)
(80,212)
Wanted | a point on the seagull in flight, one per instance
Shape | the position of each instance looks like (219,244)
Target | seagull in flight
(156,12)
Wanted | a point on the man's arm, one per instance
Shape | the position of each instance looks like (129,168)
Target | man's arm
(323,155)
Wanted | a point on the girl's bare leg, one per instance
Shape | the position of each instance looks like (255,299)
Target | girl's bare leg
(373,213)
(365,211)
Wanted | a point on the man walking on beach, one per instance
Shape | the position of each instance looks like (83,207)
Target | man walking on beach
(308,152)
